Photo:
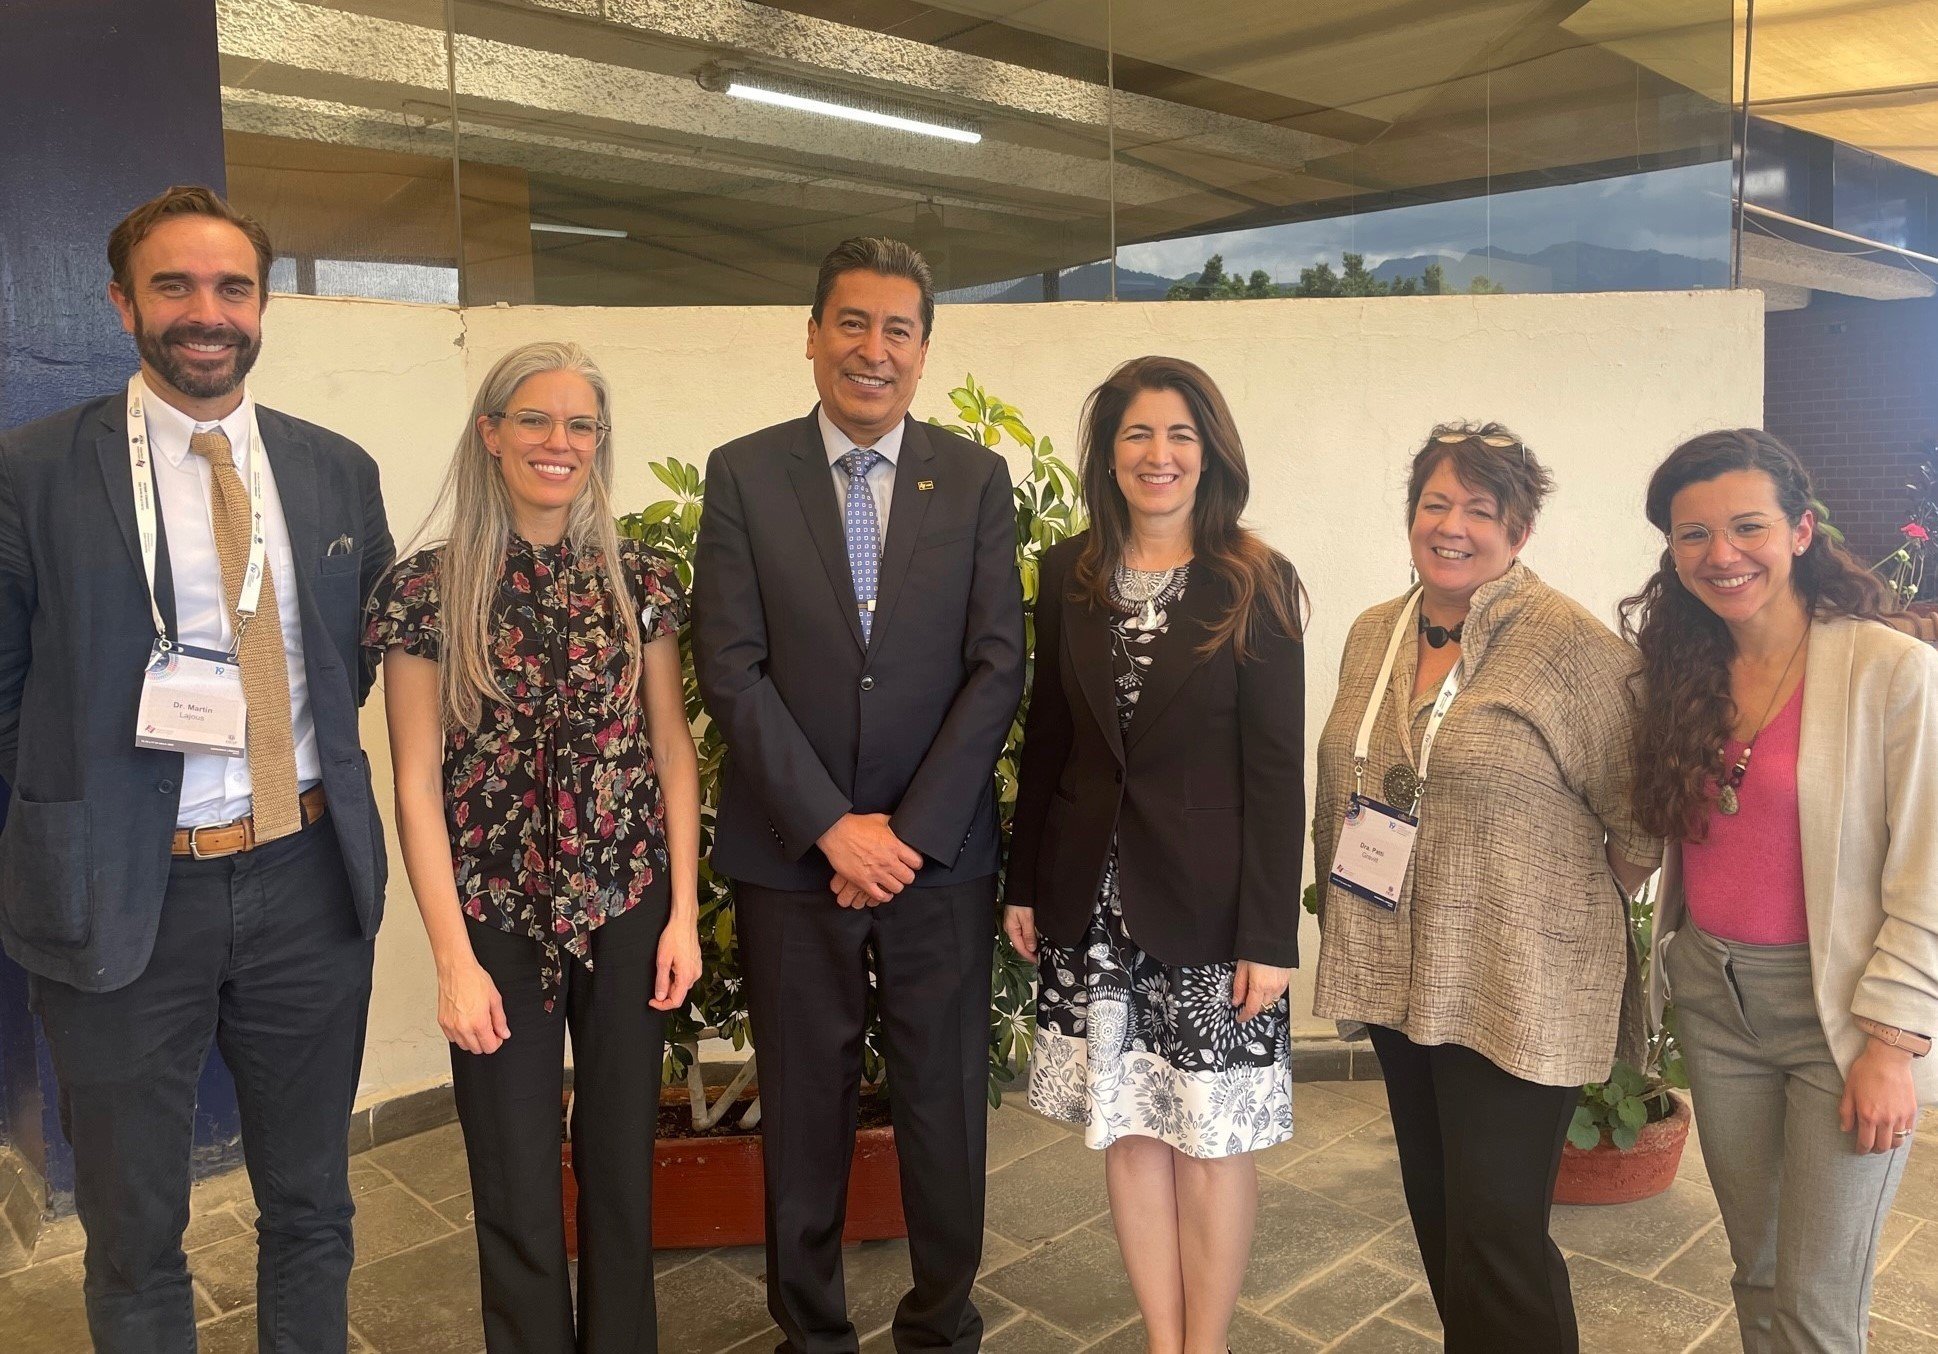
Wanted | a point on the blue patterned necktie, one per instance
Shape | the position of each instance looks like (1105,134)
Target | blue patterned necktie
(864,534)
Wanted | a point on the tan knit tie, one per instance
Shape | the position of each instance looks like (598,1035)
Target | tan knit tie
(265,670)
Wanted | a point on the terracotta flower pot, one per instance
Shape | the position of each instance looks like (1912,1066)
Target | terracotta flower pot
(1608,1175)
(707,1191)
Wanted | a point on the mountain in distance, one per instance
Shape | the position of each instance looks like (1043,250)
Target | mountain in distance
(1568,266)
(1090,282)
(1565,267)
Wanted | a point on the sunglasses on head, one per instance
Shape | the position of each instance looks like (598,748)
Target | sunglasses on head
(1495,440)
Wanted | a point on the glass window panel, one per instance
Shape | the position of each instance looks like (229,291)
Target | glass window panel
(1882,199)
(606,162)
(337,131)
(1789,171)
(1339,147)
(1472,144)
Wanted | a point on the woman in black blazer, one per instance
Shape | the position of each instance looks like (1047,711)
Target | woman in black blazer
(1158,839)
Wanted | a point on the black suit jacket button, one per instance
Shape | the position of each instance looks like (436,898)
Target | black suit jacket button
(868,684)
(166,787)
(1119,775)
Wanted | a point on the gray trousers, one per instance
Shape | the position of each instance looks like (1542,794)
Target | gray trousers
(1802,1207)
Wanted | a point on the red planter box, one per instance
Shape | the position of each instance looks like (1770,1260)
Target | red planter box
(707,1191)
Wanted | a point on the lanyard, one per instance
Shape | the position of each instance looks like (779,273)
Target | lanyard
(140,461)
(1448,690)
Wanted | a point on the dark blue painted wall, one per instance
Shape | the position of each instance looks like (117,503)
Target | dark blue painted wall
(104,104)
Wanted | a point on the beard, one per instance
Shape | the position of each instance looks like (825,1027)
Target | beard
(194,379)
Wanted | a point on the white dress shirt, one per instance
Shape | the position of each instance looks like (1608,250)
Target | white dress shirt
(881,475)
(216,789)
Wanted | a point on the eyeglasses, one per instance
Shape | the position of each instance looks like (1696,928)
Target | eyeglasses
(1692,541)
(534,426)
(1494,440)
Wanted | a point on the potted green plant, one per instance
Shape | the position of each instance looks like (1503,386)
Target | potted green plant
(1628,1132)
(708,1183)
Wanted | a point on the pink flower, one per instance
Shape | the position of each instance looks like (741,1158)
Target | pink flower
(1916,532)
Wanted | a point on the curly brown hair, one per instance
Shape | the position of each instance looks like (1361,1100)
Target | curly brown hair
(1686,710)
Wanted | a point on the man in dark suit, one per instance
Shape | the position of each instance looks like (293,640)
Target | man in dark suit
(859,637)
(192,853)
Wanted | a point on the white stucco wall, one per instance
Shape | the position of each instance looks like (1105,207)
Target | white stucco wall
(1332,396)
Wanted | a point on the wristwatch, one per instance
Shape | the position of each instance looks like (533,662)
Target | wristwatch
(1917,1045)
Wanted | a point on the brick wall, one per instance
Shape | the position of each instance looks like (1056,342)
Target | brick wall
(1853,386)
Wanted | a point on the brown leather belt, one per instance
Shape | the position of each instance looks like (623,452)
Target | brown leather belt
(230,839)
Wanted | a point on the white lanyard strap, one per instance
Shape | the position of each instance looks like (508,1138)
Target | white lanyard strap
(140,468)
(1449,688)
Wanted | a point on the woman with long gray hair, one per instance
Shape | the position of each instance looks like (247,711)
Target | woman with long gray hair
(549,809)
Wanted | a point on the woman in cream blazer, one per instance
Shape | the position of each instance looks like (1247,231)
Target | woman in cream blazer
(1789,756)
(1867,810)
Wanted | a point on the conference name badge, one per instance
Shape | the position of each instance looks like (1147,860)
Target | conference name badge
(192,701)
(1375,847)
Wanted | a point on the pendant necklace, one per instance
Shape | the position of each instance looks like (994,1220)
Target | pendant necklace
(1401,782)
(1142,587)
(1726,798)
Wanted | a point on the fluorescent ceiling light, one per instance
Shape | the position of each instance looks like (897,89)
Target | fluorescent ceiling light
(740,89)
(548,228)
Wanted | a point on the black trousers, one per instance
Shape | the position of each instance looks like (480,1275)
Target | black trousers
(259,954)
(806,961)
(1479,1149)
(509,1107)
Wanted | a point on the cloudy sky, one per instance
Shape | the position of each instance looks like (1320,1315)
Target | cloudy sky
(1676,211)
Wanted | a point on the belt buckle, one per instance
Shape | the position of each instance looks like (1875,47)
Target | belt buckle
(195,840)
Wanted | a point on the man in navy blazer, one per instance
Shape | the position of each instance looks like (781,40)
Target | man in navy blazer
(859,637)
(164,899)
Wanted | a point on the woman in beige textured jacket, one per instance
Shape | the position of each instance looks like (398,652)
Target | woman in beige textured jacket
(1493,969)
(1789,750)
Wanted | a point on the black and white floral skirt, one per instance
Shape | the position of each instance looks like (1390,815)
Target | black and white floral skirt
(1126,1045)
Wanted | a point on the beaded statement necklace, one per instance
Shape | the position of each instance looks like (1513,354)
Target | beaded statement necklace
(1439,636)
(1142,588)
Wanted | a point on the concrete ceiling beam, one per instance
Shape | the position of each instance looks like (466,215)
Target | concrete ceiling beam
(1767,260)
(384,63)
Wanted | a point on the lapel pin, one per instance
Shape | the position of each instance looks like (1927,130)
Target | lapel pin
(923,486)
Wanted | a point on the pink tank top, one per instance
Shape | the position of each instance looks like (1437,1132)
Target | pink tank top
(1746,882)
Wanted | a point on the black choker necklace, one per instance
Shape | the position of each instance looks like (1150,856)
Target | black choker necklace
(1438,636)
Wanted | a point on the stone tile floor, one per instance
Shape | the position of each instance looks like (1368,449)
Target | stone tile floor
(1333,1267)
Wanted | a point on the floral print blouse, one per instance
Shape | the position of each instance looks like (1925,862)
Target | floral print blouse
(553,805)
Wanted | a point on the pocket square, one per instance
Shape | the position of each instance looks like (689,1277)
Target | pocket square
(342,545)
